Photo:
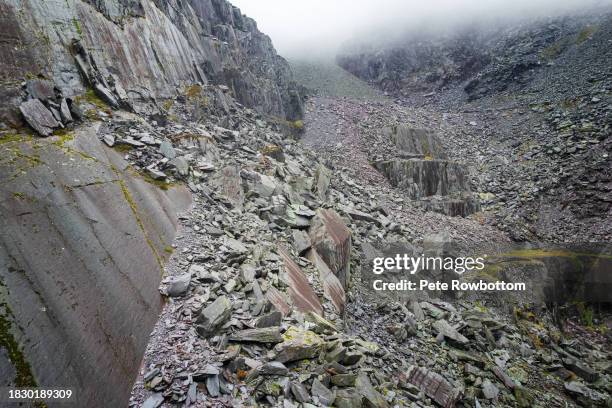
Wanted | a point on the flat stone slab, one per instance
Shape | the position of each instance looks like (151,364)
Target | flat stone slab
(260,335)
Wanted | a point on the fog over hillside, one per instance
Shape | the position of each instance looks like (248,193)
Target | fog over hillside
(319,27)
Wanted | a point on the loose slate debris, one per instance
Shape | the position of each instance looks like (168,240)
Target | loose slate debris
(230,252)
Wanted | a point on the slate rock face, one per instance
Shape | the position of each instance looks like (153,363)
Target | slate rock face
(423,178)
(416,141)
(71,223)
(138,49)
(438,185)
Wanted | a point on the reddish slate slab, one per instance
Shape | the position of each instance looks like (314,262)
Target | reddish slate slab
(278,300)
(332,240)
(332,287)
(303,296)
(434,386)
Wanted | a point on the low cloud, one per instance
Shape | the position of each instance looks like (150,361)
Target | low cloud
(317,28)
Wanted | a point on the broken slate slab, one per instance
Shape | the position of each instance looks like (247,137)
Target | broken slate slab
(322,178)
(332,287)
(299,392)
(212,385)
(372,397)
(344,380)
(325,396)
(278,300)
(214,316)
(271,319)
(260,335)
(65,111)
(301,241)
(156,174)
(167,150)
(303,296)
(505,378)
(272,368)
(433,385)
(332,240)
(39,117)
(489,390)
(106,95)
(444,328)
(109,139)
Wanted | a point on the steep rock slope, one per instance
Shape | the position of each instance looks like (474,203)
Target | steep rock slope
(84,235)
(141,50)
(82,241)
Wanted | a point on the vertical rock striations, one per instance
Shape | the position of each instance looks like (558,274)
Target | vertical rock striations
(139,51)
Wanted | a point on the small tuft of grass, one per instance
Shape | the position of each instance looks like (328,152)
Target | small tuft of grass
(122,148)
(298,124)
(77,26)
(586,34)
(193,91)
(64,136)
(552,51)
(161,184)
(167,105)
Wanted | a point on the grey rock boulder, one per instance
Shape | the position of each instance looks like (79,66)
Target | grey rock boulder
(39,117)
(213,316)
(325,396)
(178,285)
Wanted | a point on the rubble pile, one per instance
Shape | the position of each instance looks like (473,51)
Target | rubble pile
(265,301)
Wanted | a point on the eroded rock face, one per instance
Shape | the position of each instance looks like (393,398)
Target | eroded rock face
(423,178)
(438,185)
(416,141)
(81,249)
(142,49)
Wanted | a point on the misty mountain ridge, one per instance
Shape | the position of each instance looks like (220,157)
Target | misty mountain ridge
(434,59)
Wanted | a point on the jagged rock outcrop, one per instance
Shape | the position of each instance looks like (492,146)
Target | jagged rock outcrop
(421,169)
(424,178)
(139,50)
